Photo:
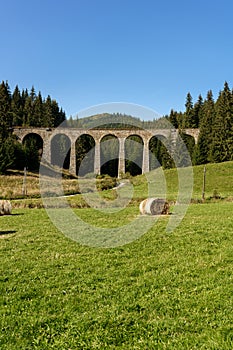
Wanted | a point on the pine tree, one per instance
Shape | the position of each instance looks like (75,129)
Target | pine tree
(222,144)
(173,119)
(55,111)
(33,94)
(205,138)
(181,120)
(62,116)
(5,110)
(29,112)
(38,111)
(188,121)
(48,113)
(24,97)
(197,112)
(17,107)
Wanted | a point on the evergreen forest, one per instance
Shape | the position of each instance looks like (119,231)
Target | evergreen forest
(214,119)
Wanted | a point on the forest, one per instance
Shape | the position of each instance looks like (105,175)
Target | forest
(29,109)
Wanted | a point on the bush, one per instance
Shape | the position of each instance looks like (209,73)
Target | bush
(105,182)
(126,175)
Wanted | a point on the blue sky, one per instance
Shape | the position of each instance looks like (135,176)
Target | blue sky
(88,52)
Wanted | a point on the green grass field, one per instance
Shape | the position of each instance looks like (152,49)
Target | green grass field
(163,291)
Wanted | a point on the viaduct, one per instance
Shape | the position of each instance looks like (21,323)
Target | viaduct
(47,134)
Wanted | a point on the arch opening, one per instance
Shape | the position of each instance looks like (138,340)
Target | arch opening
(159,153)
(189,142)
(85,154)
(109,155)
(33,149)
(60,151)
(133,155)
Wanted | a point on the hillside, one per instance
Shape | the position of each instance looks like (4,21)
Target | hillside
(116,120)
(164,290)
(219,179)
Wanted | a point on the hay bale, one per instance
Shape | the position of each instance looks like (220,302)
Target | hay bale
(5,207)
(154,206)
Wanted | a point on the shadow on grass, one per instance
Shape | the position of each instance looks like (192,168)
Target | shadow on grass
(2,233)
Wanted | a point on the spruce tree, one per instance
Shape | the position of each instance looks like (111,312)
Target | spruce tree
(222,133)
(38,111)
(205,138)
(188,121)
(29,112)
(173,119)
(17,107)
(48,113)
(197,112)
(5,110)
(24,97)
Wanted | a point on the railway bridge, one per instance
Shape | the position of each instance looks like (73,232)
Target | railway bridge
(46,136)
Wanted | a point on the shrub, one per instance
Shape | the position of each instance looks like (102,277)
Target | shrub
(105,182)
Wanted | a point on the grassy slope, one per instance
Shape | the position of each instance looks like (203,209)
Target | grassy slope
(219,178)
(163,291)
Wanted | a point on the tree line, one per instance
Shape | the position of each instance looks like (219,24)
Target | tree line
(29,109)
(213,118)
(215,122)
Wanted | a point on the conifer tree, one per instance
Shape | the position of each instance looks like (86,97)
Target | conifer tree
(202,155)
(38,111)
(17,107)
(222,132)
(197,112)
(48,113)
(24,97)
(5,109)
(29,112)
(173,119)
(188,121)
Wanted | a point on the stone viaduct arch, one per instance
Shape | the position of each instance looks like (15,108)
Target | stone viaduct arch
(85,145)
(134,145)
(109,150)
(37,138)
(73,134)
(60,150)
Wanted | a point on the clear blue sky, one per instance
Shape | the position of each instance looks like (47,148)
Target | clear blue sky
(87,52)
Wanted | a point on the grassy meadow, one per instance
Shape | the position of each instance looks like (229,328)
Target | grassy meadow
(219,180)
(163,291)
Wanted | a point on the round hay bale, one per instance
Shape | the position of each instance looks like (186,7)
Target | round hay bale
(5,207)
(154,206)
